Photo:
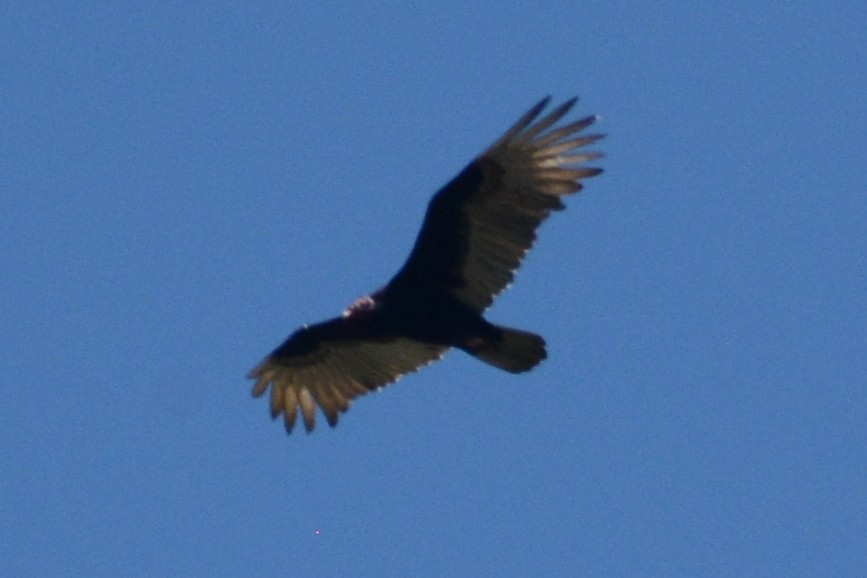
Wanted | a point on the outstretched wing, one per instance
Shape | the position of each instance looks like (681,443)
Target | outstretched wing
(480,225)
(331,363)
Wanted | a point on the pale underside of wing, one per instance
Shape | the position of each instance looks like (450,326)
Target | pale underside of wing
(524,175)
(335,373)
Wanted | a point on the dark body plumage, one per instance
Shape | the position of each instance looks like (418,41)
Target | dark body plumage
(476,231)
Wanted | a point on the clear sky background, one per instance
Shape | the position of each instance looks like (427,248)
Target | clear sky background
(184,184)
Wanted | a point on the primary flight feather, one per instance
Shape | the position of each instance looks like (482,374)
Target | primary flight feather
(476,230)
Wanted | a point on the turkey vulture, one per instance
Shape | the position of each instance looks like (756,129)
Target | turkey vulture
(476,231)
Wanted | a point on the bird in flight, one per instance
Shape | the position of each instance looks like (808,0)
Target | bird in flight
(475,233)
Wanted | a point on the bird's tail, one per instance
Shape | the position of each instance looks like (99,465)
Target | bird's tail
(513,350)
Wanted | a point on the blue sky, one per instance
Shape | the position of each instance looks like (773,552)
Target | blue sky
(184,184)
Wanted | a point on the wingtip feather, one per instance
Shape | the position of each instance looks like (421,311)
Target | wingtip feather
(308,409)
(526,120)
